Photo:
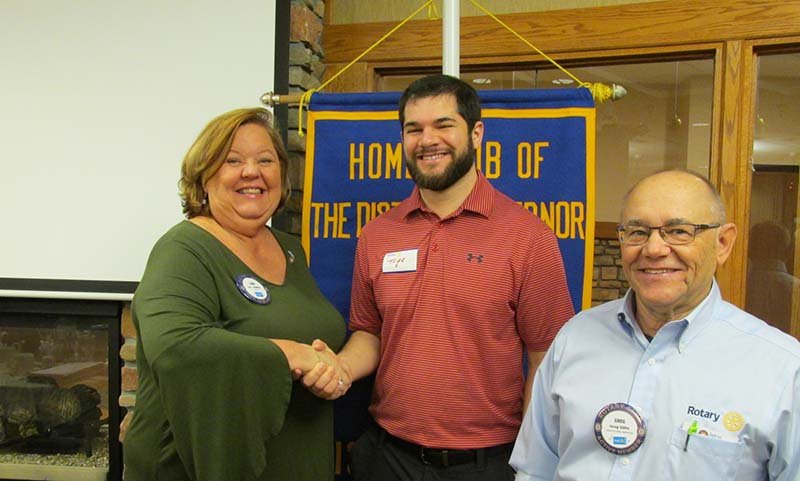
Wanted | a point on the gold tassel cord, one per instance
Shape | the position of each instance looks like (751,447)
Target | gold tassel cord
(600,92)
(306,97)
(433,14)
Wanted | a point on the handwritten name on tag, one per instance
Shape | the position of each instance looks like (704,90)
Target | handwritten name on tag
(401,261)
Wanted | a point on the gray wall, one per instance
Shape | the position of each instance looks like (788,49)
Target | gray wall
(100,101)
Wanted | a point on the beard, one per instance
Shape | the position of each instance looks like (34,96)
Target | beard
(461,164)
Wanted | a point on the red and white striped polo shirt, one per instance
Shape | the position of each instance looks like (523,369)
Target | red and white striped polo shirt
(488,283)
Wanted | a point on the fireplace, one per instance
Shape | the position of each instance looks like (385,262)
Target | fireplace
(59,385)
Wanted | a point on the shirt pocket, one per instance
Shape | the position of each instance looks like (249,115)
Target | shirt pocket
(704,458)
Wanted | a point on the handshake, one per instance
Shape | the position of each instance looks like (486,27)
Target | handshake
(319,368)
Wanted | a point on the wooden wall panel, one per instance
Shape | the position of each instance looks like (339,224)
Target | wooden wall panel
(358,78)
(641,25)
(730,177)
(358,11)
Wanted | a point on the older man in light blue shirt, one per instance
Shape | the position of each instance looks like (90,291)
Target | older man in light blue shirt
(671,382)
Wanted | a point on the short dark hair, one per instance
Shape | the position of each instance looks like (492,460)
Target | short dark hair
(469,105)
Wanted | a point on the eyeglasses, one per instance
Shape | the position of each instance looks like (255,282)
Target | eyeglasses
(674,234)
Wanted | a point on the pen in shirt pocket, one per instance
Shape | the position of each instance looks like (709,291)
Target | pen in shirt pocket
(692,430)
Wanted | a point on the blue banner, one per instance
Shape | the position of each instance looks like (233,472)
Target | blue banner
(538,148)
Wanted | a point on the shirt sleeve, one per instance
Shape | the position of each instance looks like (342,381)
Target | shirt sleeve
(544,301)
(535,454)
(784,461)
(224,394)
(364,314)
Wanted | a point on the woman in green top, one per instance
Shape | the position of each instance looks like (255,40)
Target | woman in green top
(225,314)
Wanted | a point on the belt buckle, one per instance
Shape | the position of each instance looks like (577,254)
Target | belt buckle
(445,462)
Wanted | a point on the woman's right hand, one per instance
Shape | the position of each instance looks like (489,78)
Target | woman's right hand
(302,358)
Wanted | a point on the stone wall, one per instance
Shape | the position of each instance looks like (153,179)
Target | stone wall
(305,73)
(608,280)
(130,377)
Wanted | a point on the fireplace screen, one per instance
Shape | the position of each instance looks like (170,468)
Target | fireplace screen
(55,395)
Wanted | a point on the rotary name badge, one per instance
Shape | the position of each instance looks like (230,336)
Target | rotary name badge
(619,428)
(252,290)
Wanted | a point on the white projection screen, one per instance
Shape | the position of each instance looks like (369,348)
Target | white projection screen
(99,101)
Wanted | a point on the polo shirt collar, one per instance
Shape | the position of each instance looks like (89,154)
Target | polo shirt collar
(480,200)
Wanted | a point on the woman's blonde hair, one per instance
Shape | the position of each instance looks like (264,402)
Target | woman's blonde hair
(210,149)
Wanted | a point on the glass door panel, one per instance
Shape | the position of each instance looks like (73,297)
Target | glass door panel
(773,287)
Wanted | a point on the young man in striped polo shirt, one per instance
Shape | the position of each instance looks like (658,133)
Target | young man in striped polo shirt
(450,288)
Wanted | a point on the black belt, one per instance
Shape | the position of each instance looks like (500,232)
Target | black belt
(445,457)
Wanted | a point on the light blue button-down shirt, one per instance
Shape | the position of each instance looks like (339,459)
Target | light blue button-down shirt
(735,375)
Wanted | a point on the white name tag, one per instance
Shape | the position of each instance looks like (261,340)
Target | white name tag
(402,261)
(704,429)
